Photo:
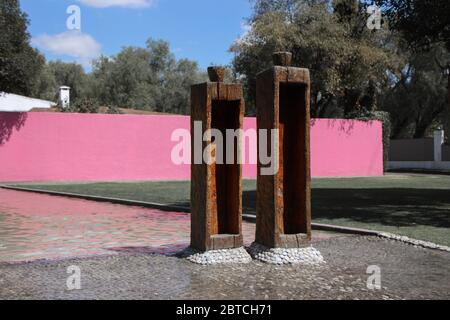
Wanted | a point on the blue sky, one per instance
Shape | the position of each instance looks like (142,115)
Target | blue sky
(202,30)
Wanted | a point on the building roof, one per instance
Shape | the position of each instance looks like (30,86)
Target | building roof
(17,103)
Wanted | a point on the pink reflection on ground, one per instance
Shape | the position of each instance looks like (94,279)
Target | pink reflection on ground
(35,226)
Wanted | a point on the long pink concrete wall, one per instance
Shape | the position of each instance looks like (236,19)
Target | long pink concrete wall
(81,147)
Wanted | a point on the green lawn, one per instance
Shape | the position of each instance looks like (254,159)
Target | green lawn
(417,206)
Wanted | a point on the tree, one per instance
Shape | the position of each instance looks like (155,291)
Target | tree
(422,22)
(19,62)
(146,78)
(127,79)
(140,78)
(418,99)
(349,63)
(45,86)
(176,92)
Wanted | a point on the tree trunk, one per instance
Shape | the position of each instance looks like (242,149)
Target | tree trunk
(446,113)
(420,131)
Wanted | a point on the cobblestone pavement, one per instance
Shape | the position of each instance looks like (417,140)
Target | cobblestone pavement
(407,273)
(128,253)
(35,226)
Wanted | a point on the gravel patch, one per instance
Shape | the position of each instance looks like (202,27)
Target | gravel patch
(414,242)
(236,255)
(280,256)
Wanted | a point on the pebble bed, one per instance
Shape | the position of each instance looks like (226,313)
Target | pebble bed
(414,242)
(280,256)
(238,255)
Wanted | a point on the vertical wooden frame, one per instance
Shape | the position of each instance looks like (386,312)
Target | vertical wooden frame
(284,199)
(216,189)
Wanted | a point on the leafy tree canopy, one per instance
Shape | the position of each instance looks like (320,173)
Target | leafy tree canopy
(418,100)
(146,78)
(19,62)
(422,22)
(350,64)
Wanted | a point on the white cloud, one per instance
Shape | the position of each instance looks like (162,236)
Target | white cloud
(118,3)
(244,37)
(76,44)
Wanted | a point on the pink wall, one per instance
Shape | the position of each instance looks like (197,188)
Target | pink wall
(80,147)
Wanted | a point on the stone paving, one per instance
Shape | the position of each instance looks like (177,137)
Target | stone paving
(128,253)
(407,272)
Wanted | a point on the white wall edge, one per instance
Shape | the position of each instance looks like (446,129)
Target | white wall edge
(430,165)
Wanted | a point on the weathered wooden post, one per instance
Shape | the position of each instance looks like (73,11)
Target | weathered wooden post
(284,198)
(216,188)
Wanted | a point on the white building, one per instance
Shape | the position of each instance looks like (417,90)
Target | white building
(14,102)
(64,97)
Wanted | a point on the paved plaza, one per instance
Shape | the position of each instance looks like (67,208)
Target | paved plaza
(130,253)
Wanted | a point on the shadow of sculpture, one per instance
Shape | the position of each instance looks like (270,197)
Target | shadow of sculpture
(10,121)
(164,250)
(395,207)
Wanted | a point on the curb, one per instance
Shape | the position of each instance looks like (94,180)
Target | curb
(246,217)
(159,206)
(384,235)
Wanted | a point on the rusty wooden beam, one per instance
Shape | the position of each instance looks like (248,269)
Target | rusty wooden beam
(216,189)
(284,199)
